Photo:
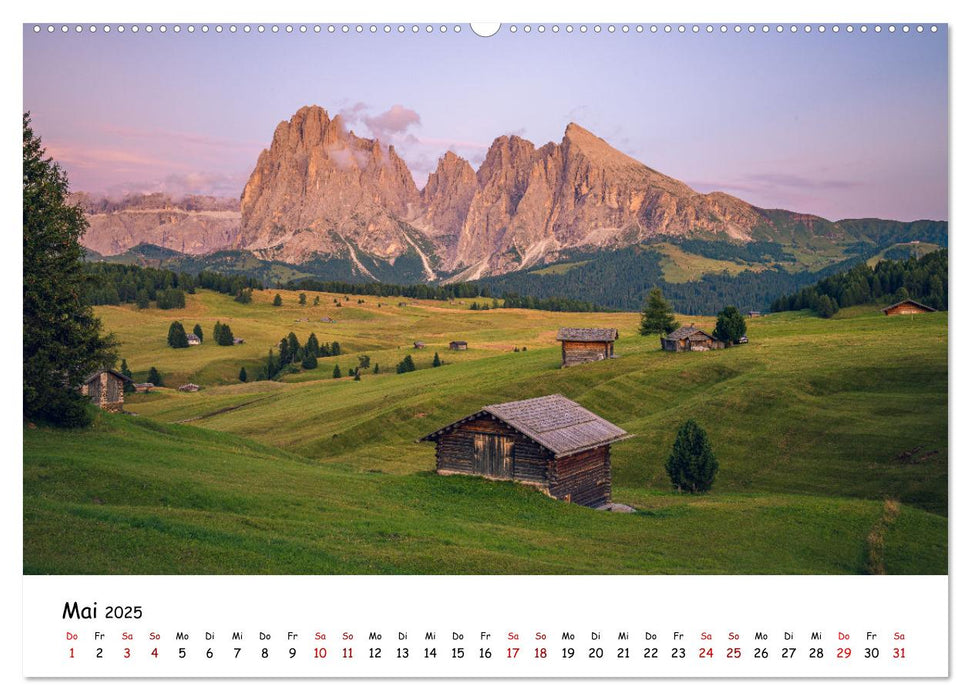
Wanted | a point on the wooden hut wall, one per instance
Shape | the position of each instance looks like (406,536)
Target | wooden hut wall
(584,477)
(577,352)
(456,452)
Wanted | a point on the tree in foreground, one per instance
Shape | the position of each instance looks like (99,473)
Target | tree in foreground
(657,317)
(692,464)
(154,377)
(277,300)
(62,338)
(730,326)
(177,336)
(242,374)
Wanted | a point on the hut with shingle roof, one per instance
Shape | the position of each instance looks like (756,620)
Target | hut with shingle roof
(550,442)
(581,345)
(907,307)
(106,389)
(690,338)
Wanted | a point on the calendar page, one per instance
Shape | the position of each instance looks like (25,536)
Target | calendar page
(518,350)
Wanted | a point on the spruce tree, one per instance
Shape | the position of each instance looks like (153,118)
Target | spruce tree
(376,369)
(177,336)
(217,332)
(357,376)
(436,362)
(317,300)
(242,374)
(730,326)
(224,335)
(294,345)
(197,329)
(309,361)
(277,300)
(303,299)
(657,317)
(313,345)
(62,338)
(335,348)
(692,464)
(337,372)
(154,377)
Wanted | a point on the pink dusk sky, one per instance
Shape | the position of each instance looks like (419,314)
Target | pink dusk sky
(842,125)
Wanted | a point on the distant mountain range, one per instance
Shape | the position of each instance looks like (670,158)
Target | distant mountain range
(324,201)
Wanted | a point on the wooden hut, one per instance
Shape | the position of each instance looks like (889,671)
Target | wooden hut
(144,387)
(906,308)
(580,345)
(419,345)
(189,387)
(458,345)
(193,339)
(106,388)
(690,338)
(549,442)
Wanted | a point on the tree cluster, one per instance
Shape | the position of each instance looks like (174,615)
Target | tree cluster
(922,279)
(222,334)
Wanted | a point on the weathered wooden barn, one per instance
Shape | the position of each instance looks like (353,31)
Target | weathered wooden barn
(550,442)
(106,389)
(907,307)
(580,345)
(458,345)
(193,339)
(190,387)
(690,338)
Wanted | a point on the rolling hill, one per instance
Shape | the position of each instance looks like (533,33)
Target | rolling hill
(820,426)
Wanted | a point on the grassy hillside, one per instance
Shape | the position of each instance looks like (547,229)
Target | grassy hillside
(816,423)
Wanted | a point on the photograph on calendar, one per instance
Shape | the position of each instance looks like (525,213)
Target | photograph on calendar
(407,299)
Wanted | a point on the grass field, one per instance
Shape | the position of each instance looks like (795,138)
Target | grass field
(817,424)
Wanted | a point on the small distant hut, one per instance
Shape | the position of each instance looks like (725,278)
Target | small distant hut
(549,442)
(581,345)
(143,387)
(189,387)
(458,345)
(106,389)
(193,339)
(690,338)
(238,341)
(419,345)
(754,314)
(907,307)
(327,319)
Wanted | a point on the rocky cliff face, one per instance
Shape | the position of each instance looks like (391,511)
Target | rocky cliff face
(321,191)
(192,225)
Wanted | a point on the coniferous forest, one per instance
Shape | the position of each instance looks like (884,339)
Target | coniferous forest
(922,279)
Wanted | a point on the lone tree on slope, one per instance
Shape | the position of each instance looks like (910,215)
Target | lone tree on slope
(62,338)
(692,465)
(657,317)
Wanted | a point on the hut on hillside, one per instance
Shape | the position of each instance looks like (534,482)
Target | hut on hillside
(690,338)
(906,308)
(143,387)
(580,345)
(189,387)
(419,345)
(458,345)
(238,341)
(754,314)
(106,389)
(193,339)
(549,442)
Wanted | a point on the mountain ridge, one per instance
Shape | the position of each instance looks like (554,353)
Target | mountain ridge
(319,191)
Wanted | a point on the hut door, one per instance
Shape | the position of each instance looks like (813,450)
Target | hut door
(493,456)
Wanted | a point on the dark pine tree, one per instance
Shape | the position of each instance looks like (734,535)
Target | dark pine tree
(337,372)
(277,300)
(657,317)
(436,361)
(303,299)
(242,374)
(692,464)
(177,336)
(730,326)
(154,377)
(309,361)
(197,329)
(62,338)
